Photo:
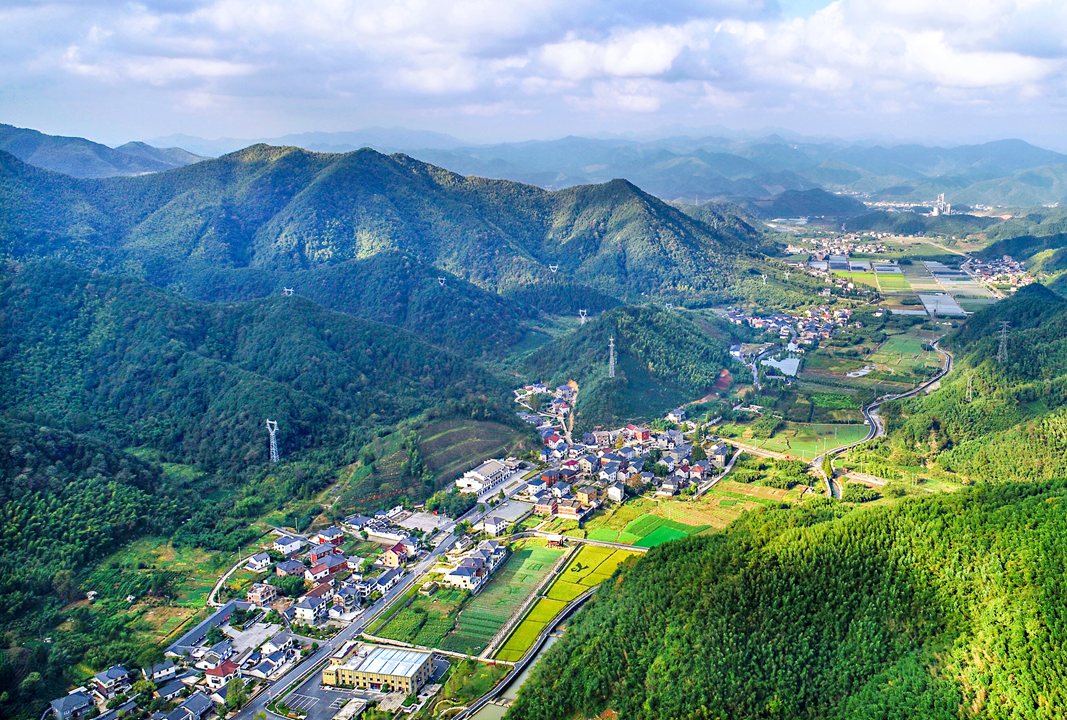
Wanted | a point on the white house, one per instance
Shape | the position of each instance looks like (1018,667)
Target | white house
(258,562)
(616,492)
(495,525)
(484,477)
(311,610)
(288,545)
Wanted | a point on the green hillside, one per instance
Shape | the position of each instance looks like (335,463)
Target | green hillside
(946,606)
(390,287)
(286,209)
(129,363)
(1015,427)
(663,359)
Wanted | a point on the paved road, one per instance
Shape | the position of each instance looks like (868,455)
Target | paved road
(282,684)
(877,426)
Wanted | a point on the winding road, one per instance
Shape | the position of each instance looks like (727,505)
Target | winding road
(877,427)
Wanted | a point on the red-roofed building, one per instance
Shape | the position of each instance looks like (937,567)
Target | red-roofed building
(395,556)
(219,676)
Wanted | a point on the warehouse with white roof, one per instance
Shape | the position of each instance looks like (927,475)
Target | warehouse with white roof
(376,666)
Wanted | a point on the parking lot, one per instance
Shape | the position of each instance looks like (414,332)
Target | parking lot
(253,636)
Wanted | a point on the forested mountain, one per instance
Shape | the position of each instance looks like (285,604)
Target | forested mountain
(938,607)
(282,211)
(83,158)
(1015,427)
(663,359)
(118,359)
(391,287)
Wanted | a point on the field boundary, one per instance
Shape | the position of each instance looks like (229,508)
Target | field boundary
(516,618)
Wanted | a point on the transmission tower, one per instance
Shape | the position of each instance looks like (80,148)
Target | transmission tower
(669,307)
(611,357)
(786,274)
(582,314)
(287,291)
(553,268)
(441,280)
(970,387)
(1002,351)
(764,279)
(272,428)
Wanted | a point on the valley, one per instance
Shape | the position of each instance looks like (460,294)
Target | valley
(503,415)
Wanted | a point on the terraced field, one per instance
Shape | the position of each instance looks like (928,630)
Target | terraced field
(449,447)
(485,613)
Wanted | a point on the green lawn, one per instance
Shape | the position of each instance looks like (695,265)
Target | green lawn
(659,536)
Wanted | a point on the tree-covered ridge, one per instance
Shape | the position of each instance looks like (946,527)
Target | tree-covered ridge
(1015,426)
(390,287)
(663,359)
(289,209)
(122,360)
(945,606)
(67,501)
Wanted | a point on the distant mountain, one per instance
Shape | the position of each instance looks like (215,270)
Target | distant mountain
(83,158)
(805,203)
(285,210)
(699,168)
(379,138)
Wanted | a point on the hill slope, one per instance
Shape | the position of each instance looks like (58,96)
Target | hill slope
(663,359)
(283,209)
(83,158)
(126,362)
(793,614)
(1014,427)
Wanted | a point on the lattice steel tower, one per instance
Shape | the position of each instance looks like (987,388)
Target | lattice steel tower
(611,357)
(272,428)
(1002,350)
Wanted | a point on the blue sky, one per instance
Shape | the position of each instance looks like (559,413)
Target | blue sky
(488,70)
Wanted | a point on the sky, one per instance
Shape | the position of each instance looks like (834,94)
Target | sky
(944,71)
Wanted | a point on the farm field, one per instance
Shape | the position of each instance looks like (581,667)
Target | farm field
(803,440)
(633,522)
(447,446)
(485,613)
(860,278)
(425,620)
(590,567)
(893,282)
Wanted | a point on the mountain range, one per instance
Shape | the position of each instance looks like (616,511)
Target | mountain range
(683,168)
(83,158)
(286,210)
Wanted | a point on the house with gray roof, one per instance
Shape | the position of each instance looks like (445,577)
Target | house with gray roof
(71,707)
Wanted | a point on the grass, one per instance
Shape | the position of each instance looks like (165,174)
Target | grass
(893,282)
(485,613)
(659,536)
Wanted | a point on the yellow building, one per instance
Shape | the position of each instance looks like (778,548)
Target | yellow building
(375,666)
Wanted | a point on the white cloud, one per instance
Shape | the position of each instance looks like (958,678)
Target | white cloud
(681,58)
